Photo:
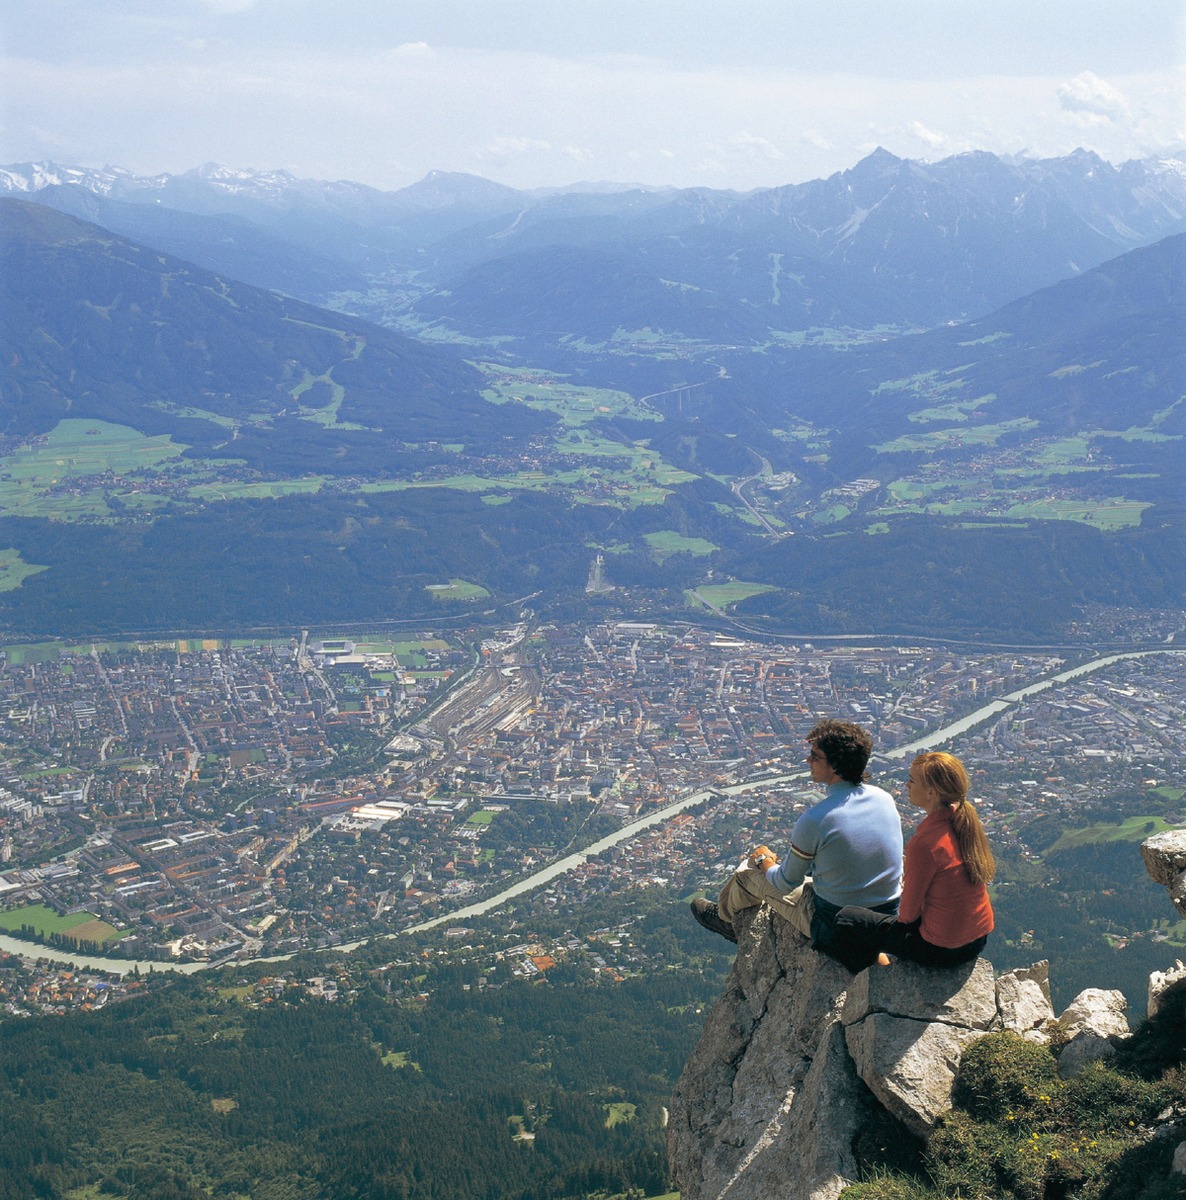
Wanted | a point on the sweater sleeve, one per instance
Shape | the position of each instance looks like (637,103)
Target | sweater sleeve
(788,874)
(918,871)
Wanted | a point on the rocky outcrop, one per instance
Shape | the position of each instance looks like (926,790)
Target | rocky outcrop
(798,1057)
(1160,985)
(770,1092)
(1165,860)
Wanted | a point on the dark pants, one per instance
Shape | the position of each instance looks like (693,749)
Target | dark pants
(827,935)
(859,934)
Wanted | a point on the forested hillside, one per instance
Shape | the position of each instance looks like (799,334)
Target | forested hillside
(419,1086)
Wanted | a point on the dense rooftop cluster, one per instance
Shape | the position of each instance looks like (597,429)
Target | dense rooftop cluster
(230,800)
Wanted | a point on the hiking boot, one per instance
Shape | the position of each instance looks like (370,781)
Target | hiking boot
(706,914)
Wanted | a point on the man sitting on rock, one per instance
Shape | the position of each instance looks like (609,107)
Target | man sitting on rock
(849,845)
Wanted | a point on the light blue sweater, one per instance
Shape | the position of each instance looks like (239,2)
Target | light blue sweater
(850,843)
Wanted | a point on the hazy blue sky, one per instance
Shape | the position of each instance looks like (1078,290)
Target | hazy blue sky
(723,93)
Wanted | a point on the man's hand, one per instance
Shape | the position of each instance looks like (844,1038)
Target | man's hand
(763,858)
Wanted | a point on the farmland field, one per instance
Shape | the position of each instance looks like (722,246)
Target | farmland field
(58,475)
(955,437)
(260,489)
(573,405)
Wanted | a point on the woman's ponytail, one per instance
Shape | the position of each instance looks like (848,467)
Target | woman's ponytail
(973,843)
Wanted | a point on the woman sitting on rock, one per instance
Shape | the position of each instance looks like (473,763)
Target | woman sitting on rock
(945,915)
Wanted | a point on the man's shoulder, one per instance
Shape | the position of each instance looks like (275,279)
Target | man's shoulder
(872,792)
(850,798)
(857,793)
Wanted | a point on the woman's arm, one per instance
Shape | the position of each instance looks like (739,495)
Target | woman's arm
(918,869)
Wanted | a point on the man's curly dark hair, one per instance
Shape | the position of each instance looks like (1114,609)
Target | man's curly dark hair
(845,745)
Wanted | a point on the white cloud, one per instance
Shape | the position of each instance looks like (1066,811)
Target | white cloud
(513,147)
(936,141)
(384,101)
(227,7)
(752,144)
(1092,97)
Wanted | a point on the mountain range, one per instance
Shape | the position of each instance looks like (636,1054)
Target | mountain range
(979,359)
(890,241)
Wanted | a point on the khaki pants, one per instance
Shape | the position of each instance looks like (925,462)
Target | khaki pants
(749,887)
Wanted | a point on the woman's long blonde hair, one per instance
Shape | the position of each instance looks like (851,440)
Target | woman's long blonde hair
(945,773)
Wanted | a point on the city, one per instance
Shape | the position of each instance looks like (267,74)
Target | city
(205,801)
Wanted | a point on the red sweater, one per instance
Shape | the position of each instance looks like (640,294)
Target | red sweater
(935,886)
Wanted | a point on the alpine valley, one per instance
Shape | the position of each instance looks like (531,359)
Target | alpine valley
(912,436)
(240,400)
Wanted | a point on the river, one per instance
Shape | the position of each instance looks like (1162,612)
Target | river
(123,966)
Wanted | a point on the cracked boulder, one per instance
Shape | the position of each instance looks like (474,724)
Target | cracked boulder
(1023,1002)
(906,1028)
(799,1060)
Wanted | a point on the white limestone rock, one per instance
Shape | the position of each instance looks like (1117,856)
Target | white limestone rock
(1098,1011)
(769,1103)
(805,1151)
(1023,1001)
(1093,1019)
(963,995)
(798,1057)
(906,1029)
(1165,860)
(1086,1048)
(1160,983)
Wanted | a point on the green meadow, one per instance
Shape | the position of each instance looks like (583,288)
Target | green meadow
(326,413)
(1108,514)
(61,476)
(572,404)
(1134,829)
(957,410)
(14,570)
(82,926)
(955,437)
(930,384)
(260,489)
(958,496)
(457,589)
(667,542)
(721,595)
